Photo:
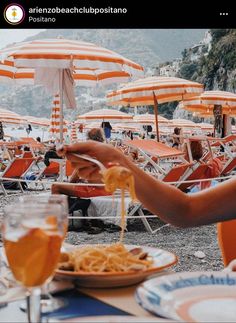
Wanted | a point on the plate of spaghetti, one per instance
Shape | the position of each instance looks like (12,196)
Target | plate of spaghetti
(113,265)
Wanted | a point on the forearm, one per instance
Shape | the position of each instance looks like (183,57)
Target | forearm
(180,209)
(168,202)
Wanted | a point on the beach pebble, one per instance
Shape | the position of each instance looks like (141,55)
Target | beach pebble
(199,254)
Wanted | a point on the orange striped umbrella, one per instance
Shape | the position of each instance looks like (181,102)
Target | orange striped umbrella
(120,126)
(206,126)
(10,117)
(147,118)
(91,125)
(183,123)
(154,90)
(73,133)
(43,122)
(165,89)
(105,114)
(204,103)
(63,53)
(82,76)
(55,119)
(51,62)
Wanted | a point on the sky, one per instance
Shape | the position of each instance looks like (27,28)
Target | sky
(9,36)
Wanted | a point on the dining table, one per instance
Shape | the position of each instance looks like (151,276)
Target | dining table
(81,303)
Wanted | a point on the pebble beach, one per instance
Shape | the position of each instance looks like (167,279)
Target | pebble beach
(185,243)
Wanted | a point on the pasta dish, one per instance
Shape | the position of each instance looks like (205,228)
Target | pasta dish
(113,258)
(118,177)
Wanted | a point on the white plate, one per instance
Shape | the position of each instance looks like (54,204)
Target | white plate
(191,296)
(112,319)
(162,259)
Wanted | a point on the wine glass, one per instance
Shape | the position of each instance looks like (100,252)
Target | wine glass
(33,236)
(48,302)
(60,199)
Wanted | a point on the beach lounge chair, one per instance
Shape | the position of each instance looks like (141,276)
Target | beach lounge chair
(176,173)
(51,171)
(27,154)
(196,172)
(154,152)
(227,240)
(16,169)
(154,148)
(229,167)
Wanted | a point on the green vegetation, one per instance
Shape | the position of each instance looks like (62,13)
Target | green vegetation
(187,70)
(215,68)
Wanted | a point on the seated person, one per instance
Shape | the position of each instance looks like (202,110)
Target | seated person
(135,157)
(177,140)
(196,150)
(214,165)
(27,153)
(51,153)
(95,134)
(85,191)
(2,165)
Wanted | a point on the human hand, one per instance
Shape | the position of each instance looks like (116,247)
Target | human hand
(106,154)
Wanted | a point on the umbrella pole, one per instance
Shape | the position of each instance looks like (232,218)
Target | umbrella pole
(156,115)
(43,134)
(60,178)
(61,104)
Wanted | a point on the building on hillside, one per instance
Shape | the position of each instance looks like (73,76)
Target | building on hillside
(170,69)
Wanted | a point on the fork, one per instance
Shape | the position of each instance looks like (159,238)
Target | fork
(93,160)
(85,157)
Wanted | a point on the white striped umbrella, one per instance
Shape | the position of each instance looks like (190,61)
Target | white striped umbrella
(154,90)
(43,122)
(206,126)
(64,53)
(10,117)
(165,89)
(73,133)
(183,123)
(105,114)
(204,103)
(91,125)
(120,126)
(55,59)
(148,118)
(82,76)
(55,119)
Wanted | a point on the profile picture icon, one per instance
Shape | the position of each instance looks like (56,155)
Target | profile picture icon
(14,14)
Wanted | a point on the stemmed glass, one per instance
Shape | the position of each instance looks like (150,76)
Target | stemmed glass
(32,240)
(48,302)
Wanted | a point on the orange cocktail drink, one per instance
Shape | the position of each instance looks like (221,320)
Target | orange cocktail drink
(33,254)
(33,235)
(32,241)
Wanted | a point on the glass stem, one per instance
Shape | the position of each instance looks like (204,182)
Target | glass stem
(33,305)
(45,291)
